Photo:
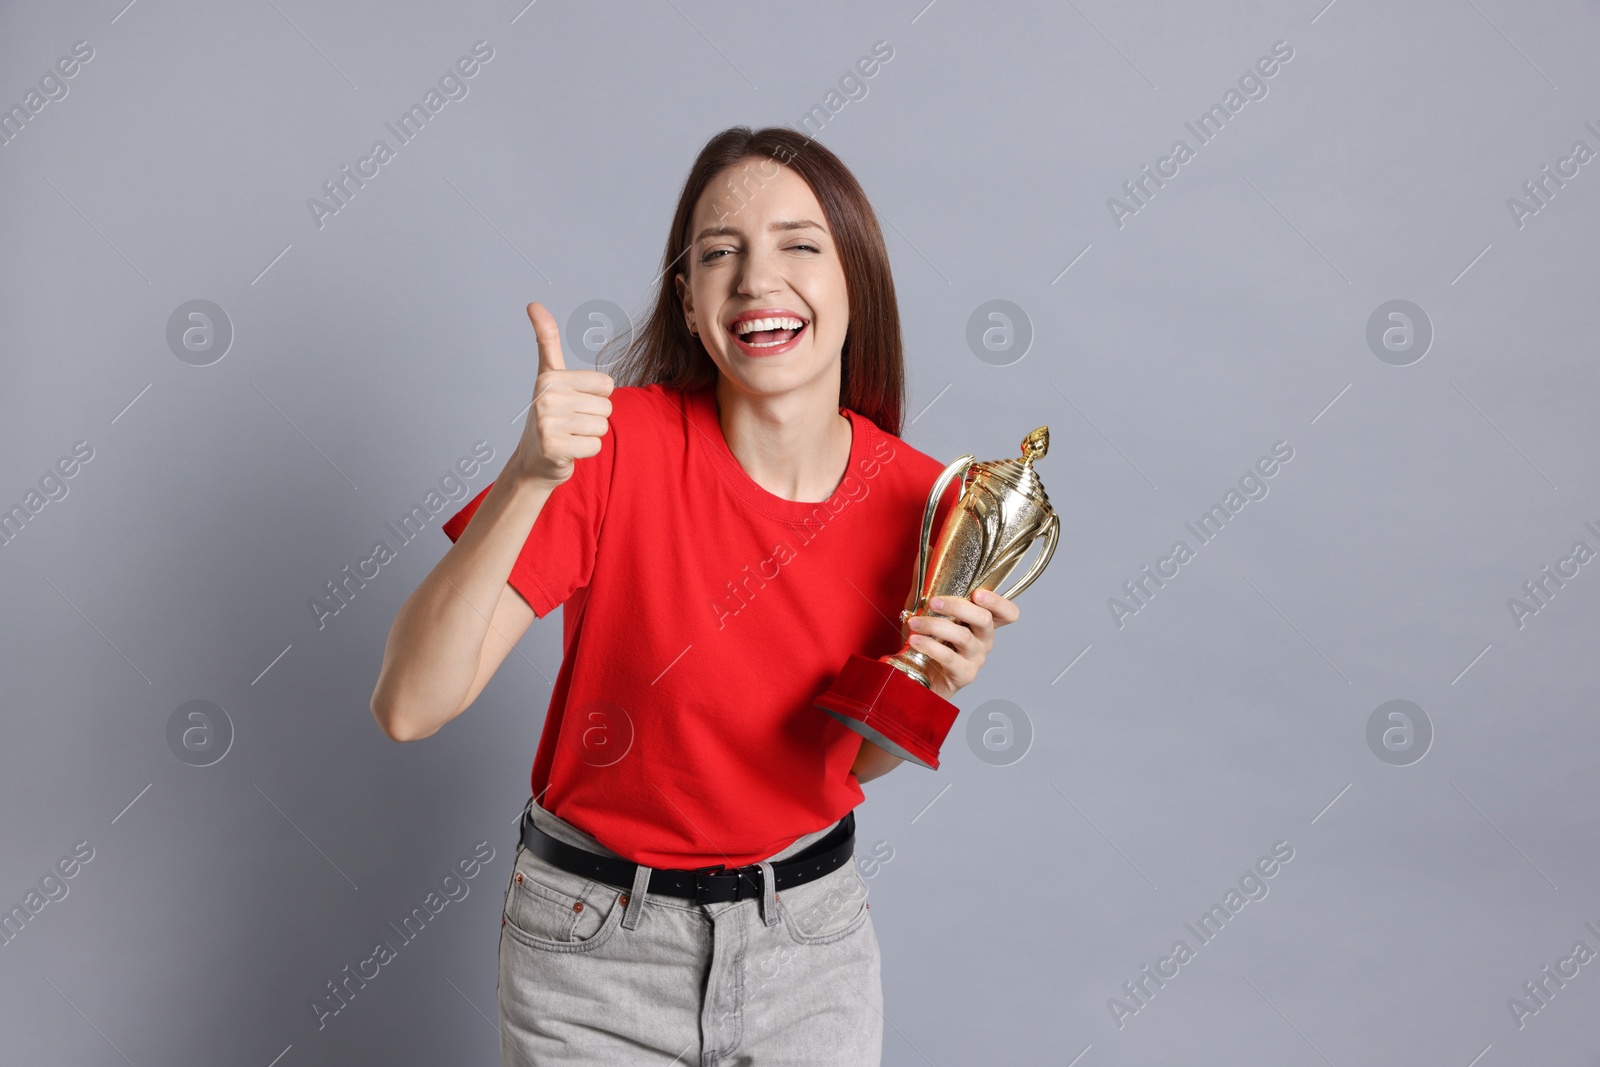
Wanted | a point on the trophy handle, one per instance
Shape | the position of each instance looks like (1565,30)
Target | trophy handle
(1051,534)
(957,466)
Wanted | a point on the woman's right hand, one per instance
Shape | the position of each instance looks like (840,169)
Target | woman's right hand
(570,411)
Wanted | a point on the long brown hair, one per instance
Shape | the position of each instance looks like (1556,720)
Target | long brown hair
(872,371)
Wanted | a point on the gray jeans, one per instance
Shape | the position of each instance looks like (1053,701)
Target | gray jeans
(593,974)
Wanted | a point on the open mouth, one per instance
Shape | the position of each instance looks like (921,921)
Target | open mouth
(768,333)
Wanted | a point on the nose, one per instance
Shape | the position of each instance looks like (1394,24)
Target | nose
(759,273)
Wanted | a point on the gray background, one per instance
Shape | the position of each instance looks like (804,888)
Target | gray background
(1230,313)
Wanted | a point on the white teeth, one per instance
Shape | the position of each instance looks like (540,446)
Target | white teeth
(782,322)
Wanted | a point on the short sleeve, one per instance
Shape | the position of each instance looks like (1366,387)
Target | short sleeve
(559,555)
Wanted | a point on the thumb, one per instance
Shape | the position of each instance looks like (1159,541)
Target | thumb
(544,327)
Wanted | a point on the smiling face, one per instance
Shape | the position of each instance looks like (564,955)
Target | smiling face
(764,287)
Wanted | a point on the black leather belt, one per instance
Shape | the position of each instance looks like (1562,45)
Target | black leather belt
(704,885)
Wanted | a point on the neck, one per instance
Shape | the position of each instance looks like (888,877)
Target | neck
(795,445)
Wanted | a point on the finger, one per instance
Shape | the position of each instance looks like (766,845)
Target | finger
(938,651)
(580,425)
(592,382)
(957,670)
(582,446)
(549,335)
(589,404)
(1004,610)
(965,610)
(957,634)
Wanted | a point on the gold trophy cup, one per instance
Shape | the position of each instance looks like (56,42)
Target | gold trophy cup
(1003,510)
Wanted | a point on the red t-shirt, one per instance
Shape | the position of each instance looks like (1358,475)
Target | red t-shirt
(703,616)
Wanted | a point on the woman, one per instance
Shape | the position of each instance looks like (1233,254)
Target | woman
(724,530)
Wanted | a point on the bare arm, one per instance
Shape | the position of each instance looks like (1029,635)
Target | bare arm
(873,762)
(455,630)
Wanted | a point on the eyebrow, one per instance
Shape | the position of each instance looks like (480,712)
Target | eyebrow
(732,231)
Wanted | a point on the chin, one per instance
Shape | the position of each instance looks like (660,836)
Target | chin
(770,379)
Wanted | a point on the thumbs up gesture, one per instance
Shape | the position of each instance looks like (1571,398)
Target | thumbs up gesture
(570,412)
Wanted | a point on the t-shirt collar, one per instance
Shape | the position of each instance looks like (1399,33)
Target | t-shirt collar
(701,406)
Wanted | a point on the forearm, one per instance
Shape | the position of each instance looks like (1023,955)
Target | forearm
(873,762)
(434,648)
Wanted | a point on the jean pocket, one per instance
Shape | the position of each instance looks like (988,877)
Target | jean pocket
(825,909)
(556,910)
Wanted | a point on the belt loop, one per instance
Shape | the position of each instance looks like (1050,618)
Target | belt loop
(769,894)
(641,885)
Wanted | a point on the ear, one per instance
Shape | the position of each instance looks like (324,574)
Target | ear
(685,297)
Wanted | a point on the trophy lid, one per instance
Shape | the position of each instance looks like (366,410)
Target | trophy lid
(1017,473)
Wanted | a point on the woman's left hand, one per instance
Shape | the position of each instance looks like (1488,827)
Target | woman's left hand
(959,645)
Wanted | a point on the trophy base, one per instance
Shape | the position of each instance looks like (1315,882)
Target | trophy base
(891,709)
